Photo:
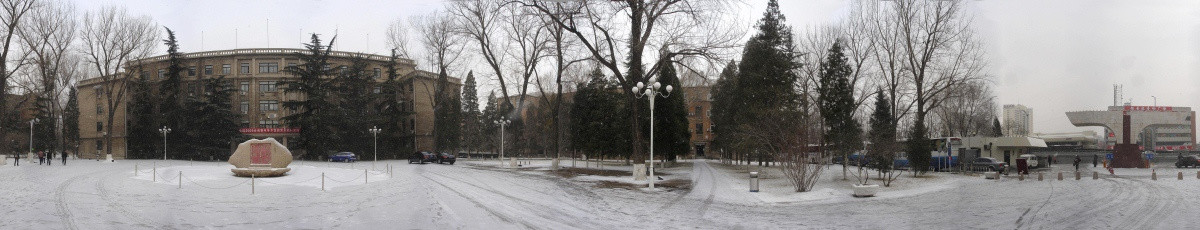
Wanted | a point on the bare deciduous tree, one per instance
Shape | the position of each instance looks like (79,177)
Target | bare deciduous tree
(790,138)
(48,36)
(14,12)
(112,37)
(397,38)
(939,50)
(439,40)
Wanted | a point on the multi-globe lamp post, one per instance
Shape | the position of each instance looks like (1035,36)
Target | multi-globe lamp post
(650,89)
(375,132)
(502,122)
(31,122)
(164,130)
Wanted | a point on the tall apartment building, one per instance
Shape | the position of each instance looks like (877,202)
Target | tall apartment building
(699,106)
(1018,120)
(257,75)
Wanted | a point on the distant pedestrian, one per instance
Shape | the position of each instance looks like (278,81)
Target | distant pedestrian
(64,158)
(41,157)
(49,158)
(1077,160)
(1094,160)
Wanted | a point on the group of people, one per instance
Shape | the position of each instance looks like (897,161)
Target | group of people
(45,158)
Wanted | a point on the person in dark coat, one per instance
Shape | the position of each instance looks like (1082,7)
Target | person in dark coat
(41,158)
(49,158)
(1094,160)
(64,158)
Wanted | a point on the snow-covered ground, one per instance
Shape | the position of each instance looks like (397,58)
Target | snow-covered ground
(481,195)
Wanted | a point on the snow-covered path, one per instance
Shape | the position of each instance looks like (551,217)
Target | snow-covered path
(91,195)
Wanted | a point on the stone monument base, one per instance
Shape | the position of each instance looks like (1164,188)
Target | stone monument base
(1127,156)
(260,172)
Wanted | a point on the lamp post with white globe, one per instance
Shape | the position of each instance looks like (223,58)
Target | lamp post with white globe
(502,122)
(31,122)
(651,89)
(164,130)
(375,132)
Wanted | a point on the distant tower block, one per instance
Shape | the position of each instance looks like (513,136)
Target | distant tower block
(1118,96)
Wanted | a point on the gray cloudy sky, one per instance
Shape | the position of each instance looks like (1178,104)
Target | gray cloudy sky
(1054,56)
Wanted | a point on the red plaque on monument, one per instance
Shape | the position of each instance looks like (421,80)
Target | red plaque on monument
(260,154)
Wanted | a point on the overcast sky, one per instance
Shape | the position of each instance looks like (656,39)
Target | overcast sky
(1053,56)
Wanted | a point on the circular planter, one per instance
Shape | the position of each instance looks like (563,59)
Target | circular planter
(865,190)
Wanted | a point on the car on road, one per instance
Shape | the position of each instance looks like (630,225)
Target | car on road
(1188,161)
(991,164)
(343,157)
(422,157)
(446,158)
(1030,159)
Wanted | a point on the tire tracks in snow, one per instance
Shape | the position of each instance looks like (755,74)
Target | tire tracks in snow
(502,216)
(703,197)
(60,202)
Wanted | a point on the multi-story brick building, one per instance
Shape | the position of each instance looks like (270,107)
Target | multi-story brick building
(699,103)
(257,75)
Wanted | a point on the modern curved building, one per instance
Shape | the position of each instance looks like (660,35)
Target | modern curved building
(1159,128)
(256,74)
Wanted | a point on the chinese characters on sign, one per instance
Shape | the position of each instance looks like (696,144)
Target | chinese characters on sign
(260,154)
(1149,108)
(268,130)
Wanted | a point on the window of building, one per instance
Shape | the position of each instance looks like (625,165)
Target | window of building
(225,69)
(244,69)
(268,67)
(699,128)
(268,124)
(99,127)
(266,86)
(191,71)
(244,87)
(99,145)
(162,73)
(291,65)
(268,105)
(245,124)
(377,73)
(377,90)
(208,70)
(244,107)
(412,124)
(710,128)
(99,109)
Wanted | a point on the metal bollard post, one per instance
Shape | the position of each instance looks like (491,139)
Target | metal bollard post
(1060,175)
(1020,177)
(1076,175)
(322,181)
(1180,175)
(154,175)
(180,180)
(753,181)
(251,184)
(364,176)
(1153,174)
(135,171)
(1039,176)
(1095,175)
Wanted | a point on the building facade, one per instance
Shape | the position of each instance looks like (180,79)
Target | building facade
(1018,120)
(1158,128)
(699,106)
(256,74)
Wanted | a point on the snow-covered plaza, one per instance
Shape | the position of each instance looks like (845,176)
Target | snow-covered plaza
(480,195)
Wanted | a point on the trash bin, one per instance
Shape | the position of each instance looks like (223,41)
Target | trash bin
(1022,166)
(753,181)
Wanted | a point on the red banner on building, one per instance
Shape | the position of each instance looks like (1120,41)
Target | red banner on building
(268,130)
(1149,108)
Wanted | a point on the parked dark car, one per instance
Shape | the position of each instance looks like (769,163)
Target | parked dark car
(988,163)
(423,157)
(446,158)
(1188,161)
(343,157)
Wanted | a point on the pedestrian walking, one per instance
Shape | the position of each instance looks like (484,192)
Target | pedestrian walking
(41,157)
(64,158)
(1077,162)
(1094,160)
(49,158)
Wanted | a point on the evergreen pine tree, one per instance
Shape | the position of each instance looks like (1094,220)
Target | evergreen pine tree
(919,149)
(766,76)
(842,131)
(353,87)
(598,127)
(882,135)
(997,130)
(670,117)
(215,127)
(395,138)
(43,130)
(172,111)
(143,135)
(315,113)
(489,128)
(724,99)
(470,114)
(71,121)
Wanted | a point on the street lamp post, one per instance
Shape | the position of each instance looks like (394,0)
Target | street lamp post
(651,90)
(1155,101)
(502,122)
(35,120)
(375,132)
(164,130)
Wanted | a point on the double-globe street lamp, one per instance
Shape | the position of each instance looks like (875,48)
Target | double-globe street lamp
(164,130)
(35,120)
(375,132)
(651,90)
(502,122)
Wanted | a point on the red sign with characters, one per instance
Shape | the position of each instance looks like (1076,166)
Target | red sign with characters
(268,130)
(260,154)
(1149,108)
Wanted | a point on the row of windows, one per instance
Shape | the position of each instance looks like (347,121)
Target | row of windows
(700,128)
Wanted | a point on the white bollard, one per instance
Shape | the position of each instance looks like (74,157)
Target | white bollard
(251,184)
(365,176)
(180,180)
(135,170)
(154,174)
(322,181)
